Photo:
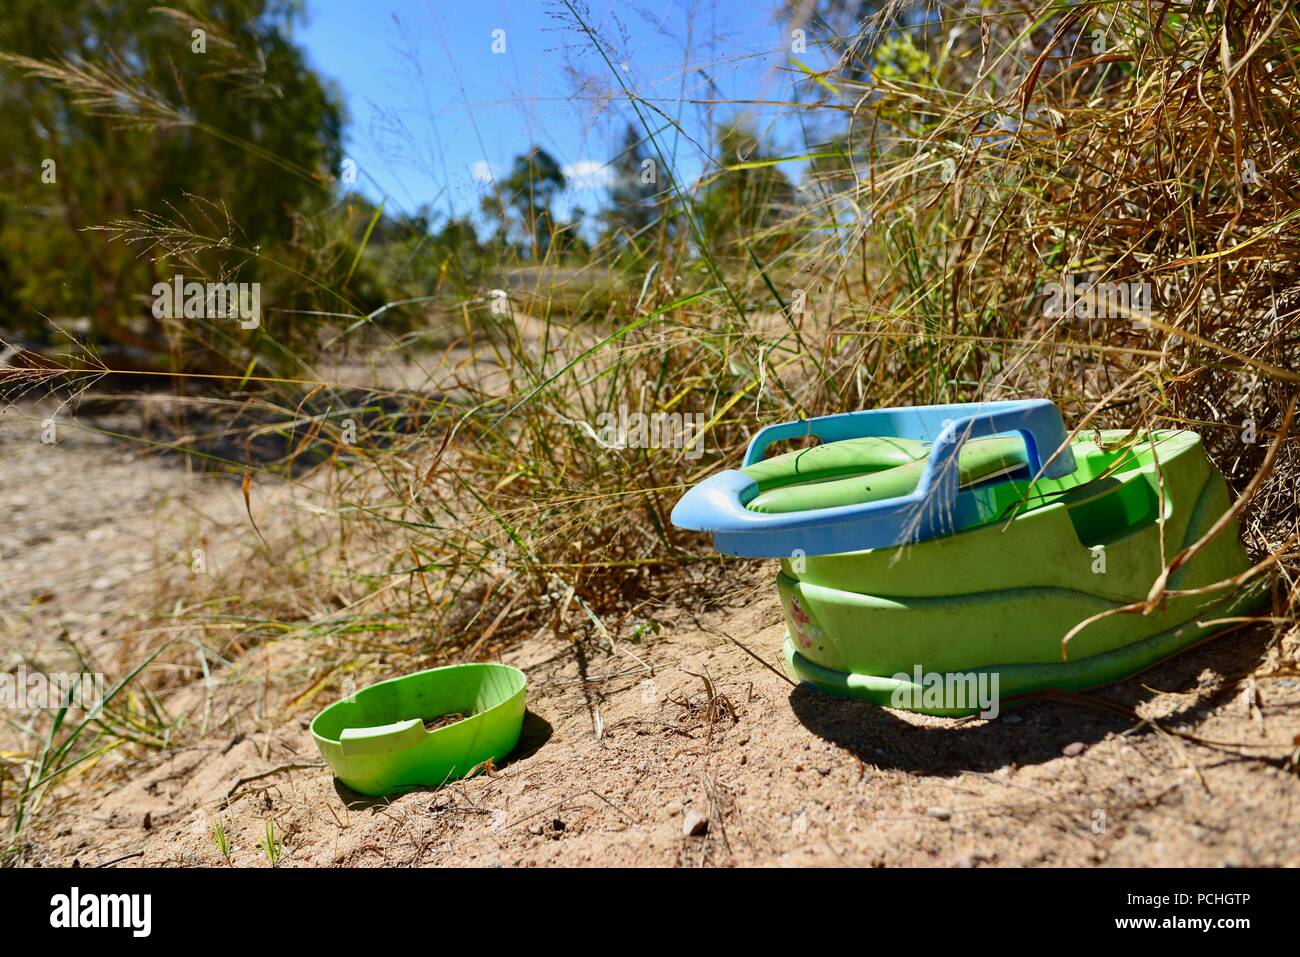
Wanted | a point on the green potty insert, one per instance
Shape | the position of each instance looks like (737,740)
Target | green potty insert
(408,732)
(902,589)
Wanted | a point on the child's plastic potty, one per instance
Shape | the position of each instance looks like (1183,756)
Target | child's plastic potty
(377,743)
(922,548)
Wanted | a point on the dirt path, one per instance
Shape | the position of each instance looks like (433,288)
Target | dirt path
(96,526)
(616,763)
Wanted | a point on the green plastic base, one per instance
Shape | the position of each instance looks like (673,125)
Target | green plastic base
(931,625)
(1015,680)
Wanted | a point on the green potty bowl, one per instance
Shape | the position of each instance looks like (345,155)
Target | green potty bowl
(376,741)
(896,626)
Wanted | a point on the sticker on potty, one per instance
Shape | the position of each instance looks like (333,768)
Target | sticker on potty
(806,631)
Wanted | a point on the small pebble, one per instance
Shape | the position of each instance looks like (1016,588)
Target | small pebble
(694,824)
(941,813)
(1074,749)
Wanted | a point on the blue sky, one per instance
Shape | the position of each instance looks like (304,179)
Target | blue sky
(434,111)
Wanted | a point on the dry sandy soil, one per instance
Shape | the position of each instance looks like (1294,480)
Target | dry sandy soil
(624,751)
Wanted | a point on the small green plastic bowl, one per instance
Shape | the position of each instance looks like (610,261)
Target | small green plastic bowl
(376,742)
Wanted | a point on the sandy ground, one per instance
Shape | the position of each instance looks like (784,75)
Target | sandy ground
(625,759)
(94,524)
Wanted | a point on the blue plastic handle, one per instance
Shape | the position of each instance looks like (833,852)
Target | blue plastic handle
(935,507)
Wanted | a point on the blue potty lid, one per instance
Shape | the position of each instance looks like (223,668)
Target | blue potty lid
(937,505)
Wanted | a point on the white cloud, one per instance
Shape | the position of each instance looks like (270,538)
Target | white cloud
(482,172)
(588,174)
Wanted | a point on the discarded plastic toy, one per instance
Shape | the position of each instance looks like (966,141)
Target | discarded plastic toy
(387,738)
(955,541)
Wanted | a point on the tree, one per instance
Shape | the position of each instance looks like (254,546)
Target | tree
(522,203)
(632,193)
(745,200)
(207,121)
